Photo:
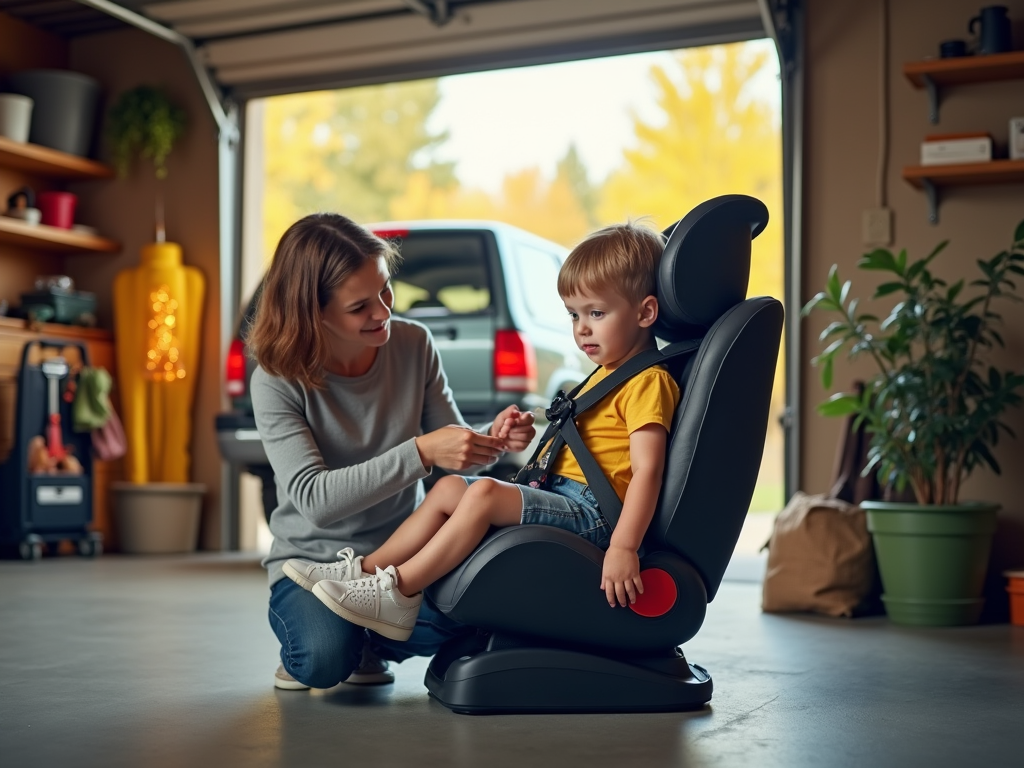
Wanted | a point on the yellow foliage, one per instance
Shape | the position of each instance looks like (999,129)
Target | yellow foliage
(714,140)
(527,200)
(349,151)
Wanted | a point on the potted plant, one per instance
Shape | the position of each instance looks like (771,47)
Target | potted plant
(933,411)
(143,123)
(157,315)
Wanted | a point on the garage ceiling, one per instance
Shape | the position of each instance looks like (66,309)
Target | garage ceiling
(264,47)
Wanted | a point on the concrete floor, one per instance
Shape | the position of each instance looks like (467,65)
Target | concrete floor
(168,662)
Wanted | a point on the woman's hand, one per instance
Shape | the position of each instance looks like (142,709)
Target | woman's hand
(515,428)
(455,447)
(620,576)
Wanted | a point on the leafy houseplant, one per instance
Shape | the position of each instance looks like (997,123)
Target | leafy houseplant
(146,123)
(934,408)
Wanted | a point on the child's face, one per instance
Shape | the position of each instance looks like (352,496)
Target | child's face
(608,327)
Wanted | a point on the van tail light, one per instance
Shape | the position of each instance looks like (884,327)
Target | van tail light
(391,234)
(236,369)
(515,364)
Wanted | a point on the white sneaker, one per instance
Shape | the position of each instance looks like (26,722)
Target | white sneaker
(372,670)
(373,602)
(286,682)
(306,573)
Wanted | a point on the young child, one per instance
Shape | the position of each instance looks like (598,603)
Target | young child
(608,286)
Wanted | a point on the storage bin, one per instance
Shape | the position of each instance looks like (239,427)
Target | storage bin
(68,307)
(64,107)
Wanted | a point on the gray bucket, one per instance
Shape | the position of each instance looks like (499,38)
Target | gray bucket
(64,109)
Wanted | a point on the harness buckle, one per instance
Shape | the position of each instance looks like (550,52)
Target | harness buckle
(560,409)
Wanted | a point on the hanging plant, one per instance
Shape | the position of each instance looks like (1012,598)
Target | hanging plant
(143,123)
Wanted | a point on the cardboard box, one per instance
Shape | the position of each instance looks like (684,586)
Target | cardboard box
(950,149)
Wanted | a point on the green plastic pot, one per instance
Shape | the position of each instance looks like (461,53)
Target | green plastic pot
(932,559)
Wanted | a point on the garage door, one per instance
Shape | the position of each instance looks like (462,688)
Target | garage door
(267,47)
(394,42)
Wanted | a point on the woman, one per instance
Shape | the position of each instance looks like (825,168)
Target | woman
(354,410)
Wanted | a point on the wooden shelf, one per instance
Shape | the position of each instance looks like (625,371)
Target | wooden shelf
(993,172)
(966,69)
(931,177)
(52,330)
(934,74)
(50,162)
(53,239)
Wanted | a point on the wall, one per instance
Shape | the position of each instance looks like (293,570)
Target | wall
(124,209)
(841,156)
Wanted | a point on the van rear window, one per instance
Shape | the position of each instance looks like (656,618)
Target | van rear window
(442,273)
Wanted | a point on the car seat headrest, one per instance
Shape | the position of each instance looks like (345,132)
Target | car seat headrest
(705,267)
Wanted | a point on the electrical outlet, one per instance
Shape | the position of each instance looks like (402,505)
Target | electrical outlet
(877,226)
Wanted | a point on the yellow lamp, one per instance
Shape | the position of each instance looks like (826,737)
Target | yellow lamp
(157,314)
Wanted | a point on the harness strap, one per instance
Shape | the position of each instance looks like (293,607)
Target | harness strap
(562,429)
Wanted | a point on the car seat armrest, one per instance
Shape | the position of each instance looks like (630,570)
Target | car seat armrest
(545,582)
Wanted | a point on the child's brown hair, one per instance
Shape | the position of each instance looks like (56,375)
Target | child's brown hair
(623,258)
(315,256)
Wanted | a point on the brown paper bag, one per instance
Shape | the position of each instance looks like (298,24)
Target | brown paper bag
(820,558)
(820,554)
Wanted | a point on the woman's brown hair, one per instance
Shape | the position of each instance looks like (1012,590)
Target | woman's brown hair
(315,256)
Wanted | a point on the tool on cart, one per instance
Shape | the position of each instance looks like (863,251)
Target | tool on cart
(54,369)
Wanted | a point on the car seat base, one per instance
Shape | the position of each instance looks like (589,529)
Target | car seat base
(514,677)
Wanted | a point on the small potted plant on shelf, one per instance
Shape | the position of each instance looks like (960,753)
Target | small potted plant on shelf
(158,309)
(933,411)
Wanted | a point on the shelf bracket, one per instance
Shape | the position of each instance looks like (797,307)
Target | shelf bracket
(933,99)
(933,200)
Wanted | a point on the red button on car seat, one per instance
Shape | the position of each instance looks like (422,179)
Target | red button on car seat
(659,593)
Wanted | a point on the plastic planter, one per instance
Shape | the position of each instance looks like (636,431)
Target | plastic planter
(932,559)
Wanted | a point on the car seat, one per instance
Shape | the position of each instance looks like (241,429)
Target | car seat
(549,640)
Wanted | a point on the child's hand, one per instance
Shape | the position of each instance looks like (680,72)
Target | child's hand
(515,428)
(620,576)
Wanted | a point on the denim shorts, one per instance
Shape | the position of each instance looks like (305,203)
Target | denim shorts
(565,504)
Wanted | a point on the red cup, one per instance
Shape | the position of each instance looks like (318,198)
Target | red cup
(58,208)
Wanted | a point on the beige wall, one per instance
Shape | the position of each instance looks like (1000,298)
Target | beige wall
(841,154)
(124,210)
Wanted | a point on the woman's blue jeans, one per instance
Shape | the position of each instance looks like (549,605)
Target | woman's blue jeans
(320,649)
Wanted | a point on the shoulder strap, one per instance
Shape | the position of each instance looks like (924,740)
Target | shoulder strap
(600,486)
(629,369)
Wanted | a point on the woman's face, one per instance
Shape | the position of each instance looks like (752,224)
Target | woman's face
(359,313)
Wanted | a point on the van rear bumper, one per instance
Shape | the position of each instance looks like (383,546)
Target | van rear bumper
(238,439)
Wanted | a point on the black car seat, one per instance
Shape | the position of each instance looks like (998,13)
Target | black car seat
(549,640)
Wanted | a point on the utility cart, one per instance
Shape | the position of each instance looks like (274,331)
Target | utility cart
(43,508)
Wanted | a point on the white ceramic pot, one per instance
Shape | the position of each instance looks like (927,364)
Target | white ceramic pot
(15,116)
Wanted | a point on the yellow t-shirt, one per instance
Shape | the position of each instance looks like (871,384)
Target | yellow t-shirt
(650,397)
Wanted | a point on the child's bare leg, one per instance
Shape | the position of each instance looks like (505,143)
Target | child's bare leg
(420,526)
(485,503)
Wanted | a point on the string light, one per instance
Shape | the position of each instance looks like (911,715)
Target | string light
(163,356)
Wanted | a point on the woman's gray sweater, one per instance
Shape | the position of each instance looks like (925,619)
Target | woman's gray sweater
(344,457)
